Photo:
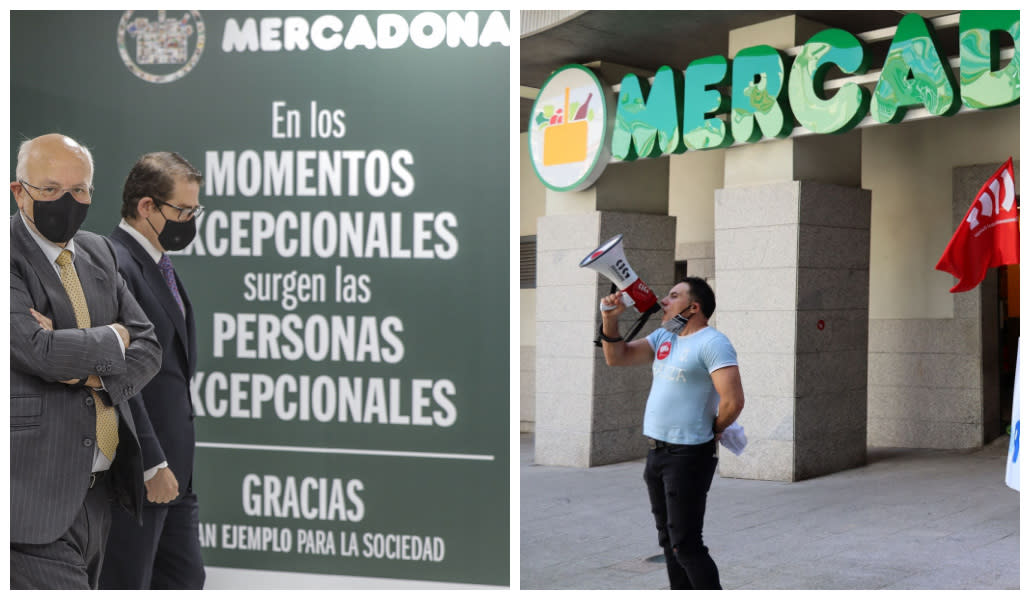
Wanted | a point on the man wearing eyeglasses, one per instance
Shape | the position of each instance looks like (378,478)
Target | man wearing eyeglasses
(81,347)
(160,204)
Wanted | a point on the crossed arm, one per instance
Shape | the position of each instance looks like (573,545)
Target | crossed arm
(70,355)
(92,380)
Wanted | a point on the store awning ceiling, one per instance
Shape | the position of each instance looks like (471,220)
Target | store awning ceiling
(649,39)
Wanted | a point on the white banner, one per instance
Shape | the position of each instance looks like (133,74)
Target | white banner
(1012,466)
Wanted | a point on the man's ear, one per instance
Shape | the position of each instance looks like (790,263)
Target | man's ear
(145,206)
(19,193)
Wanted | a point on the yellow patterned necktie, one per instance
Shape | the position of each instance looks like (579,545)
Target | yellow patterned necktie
(107,422)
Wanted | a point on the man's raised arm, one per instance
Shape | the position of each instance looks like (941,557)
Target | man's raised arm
(617,352)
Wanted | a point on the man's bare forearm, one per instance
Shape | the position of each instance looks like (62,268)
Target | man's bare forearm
(614,352)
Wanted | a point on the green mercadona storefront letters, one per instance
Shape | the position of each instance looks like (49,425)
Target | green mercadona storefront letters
(679,110)
(763,98)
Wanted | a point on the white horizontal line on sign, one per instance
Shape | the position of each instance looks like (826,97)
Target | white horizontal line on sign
(346,451)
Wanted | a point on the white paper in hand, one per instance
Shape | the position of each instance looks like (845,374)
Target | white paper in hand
(733,439)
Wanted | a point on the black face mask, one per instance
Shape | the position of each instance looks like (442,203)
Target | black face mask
(177,234)
(58,220)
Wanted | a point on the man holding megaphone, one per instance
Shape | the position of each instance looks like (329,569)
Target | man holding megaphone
(695,395)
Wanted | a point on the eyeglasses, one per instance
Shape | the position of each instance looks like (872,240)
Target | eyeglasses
(185,213)
(51,192)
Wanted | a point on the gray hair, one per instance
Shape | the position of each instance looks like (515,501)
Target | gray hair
(23,156)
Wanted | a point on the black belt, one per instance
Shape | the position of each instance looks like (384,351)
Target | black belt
(699,449)
(96,477)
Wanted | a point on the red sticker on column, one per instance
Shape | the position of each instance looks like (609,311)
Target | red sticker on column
(821,325)
(664,349)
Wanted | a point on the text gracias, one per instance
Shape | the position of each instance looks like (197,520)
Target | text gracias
(314,498)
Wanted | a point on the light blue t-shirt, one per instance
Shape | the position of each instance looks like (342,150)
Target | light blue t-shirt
(683,402)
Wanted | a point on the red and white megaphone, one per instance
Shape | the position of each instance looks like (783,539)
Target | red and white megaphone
(610,261)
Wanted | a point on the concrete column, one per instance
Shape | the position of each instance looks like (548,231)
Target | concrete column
(792,268)
(588,413)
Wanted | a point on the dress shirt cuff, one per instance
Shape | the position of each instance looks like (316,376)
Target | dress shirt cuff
(149,473)
(121,346)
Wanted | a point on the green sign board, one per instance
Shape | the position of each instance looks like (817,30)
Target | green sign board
(766,97)
(349,275)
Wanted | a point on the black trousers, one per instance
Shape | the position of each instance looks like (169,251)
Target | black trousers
(72,561)
(163,554)
(678,479)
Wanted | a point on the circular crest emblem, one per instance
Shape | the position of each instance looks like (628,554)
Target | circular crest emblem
(159,49)
(569,127)
(664,350)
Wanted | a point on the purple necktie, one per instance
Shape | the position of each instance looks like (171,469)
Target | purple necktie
(165,264)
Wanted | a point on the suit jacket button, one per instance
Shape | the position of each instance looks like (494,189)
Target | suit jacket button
(87,442)
(89,401)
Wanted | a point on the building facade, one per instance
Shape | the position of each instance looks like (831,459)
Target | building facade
(821,248)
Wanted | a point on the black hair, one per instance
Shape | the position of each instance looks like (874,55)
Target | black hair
(154,175)
(701,293)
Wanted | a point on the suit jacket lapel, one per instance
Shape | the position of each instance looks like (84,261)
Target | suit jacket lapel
(156,281)
(60,304)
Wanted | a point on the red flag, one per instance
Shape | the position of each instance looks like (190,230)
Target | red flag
(988,236)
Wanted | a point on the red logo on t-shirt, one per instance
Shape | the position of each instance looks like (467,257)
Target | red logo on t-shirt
(664,350)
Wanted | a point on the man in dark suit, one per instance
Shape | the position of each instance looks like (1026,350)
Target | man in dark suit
(80,348)
(159,208)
